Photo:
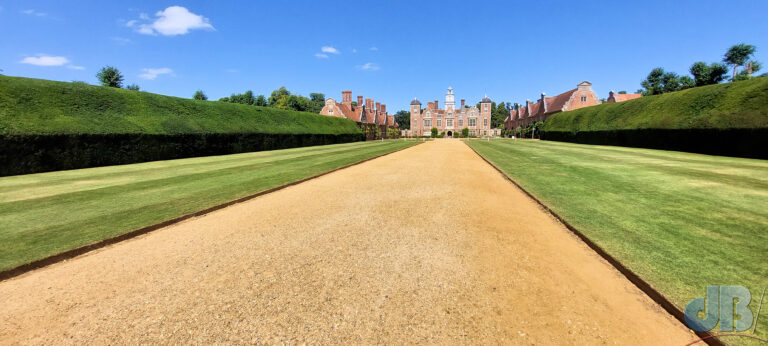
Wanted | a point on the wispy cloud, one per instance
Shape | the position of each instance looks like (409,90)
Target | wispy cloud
(172,21)
(121,40)
(368,67)
(152,73)
(329,49)
(231,70)
(49,60)
(373,49)
(32,12)
(354,50)
(321,55)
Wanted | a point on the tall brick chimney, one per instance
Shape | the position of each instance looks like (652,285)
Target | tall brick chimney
(384,108)
(462,103)
(543,103)
(346,97)
(359,100)
(378,107)
(369,104)
(437,106)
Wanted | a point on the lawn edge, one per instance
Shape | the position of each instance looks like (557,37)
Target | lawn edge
(70,254)
(635,279)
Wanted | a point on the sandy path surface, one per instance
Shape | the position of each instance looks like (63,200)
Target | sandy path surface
(428,245)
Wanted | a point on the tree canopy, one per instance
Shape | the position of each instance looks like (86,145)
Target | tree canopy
(200,95)
(110,77)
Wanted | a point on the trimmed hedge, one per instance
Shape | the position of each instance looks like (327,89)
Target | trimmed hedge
(724,119)
(23,154)
(47,125)
(728,142)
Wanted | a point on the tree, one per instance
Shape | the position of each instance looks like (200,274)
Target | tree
(261,101)
(434,132)
(276,95)
(704,74)
(224,99)
(751,67)
(498,114)
(110,76)
(200,95)
(738,55)
(653,83)
(403,119)
(465,132)
(133,87)
(316,102)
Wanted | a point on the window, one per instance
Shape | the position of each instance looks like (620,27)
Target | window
(415,123)
(427,122)
(472,133)
(486,106)
(330,111)
(472,122)
(439,122)
(485,122)
(449,122)
(583,99)
(461,122)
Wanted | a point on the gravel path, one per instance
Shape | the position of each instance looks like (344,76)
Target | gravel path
(428,245)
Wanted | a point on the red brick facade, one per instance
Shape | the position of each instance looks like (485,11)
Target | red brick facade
(614,97)
(366,112)
(522,115)
(450,120)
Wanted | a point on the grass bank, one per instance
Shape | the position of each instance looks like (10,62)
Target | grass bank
(680,221)
(49,213)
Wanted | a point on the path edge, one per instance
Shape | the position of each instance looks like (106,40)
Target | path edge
(70,254)
(635,279)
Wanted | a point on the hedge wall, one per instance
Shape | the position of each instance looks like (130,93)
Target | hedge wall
(724,119)
(728,142)
(23,154)
(48,125)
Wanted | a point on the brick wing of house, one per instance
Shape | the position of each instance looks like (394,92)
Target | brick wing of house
(365,113)
(532,112)
(614,97)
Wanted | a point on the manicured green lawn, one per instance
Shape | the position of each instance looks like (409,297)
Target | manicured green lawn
(681,221)
(48,213)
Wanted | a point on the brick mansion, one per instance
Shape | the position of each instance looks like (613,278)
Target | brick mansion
(366,113)
(450,120)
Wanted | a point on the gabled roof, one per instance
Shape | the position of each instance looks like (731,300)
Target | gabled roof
(535,108)
(625,97)
(556,103)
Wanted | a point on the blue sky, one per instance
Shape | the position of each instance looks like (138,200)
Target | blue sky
(391,51)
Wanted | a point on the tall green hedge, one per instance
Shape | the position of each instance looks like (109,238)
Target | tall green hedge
(725,119)
(47,125)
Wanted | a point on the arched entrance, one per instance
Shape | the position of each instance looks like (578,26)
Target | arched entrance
(449,134)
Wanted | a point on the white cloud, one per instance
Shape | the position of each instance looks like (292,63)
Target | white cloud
(34,13)
(174,20)
(45,60)
(152,73)
(368,67)
(321,55)
(373,49)
(329,49)
(121,40)
(354,50)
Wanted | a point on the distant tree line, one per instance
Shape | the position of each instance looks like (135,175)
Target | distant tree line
(660,81)
(280,98)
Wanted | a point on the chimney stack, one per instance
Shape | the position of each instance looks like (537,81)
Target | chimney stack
(378,107)
(384,108)
(462,103)
(346,97)
(436,105)
(359,100)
